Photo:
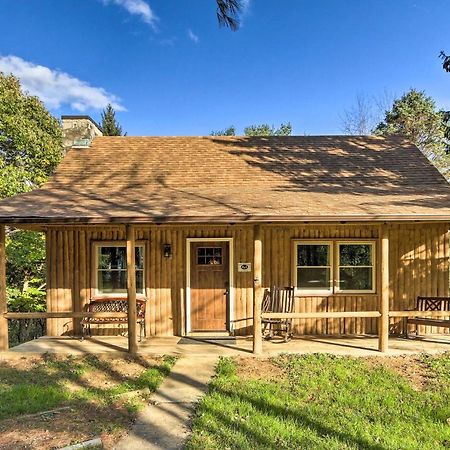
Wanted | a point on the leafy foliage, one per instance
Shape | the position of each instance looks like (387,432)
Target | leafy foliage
(267,130)
(25,253)
(26,257)
(263,129)
(230,131)
(30,139)
(445,61)
(30,149)
(415,116)
(33,298)
(110,126)
(446,116)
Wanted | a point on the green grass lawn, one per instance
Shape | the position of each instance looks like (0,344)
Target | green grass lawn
(101,396)
(47,384)
(326,402)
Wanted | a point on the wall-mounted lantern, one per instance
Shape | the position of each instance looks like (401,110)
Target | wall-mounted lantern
(167,250)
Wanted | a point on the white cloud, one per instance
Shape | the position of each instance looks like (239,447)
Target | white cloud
(245,10)
(192,36)
(139,8)
(56,88)
(245,4)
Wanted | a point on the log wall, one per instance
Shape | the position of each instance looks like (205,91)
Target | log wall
(419,265)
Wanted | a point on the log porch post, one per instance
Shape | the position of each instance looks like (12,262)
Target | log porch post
(383,327)
(3,307)
(257,290)
(131,290)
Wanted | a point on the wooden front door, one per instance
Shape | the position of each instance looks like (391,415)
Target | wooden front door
(209,286)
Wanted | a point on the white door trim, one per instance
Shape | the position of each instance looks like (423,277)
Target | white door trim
(230,274)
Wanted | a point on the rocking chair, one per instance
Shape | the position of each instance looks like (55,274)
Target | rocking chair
(278,300)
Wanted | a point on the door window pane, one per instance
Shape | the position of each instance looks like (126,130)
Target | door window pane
(209,256)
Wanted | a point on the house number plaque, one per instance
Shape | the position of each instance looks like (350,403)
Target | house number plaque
(244,267)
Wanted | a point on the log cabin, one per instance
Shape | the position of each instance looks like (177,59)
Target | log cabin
(200,226)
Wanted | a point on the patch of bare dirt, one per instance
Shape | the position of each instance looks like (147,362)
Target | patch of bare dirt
(59,428)
(22,363)
(408,366)
(53,431)
(260,369)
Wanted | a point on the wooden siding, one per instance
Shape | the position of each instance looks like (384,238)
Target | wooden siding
(419,265)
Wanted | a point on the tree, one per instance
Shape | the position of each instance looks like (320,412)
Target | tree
(26,258)
(415,116)
(267,130)
(257,130)
(359,119)
(367,111)
(228,13)
(110,126)
(30,149)
(445,61)
(30,139)
(446,118)
(230,131)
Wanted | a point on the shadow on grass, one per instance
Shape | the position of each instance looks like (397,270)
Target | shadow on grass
(46,384)
(355,401)
(282,413)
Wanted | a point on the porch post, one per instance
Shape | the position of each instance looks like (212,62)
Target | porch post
(257,290)
(3,308)
(131,290)
(383,328)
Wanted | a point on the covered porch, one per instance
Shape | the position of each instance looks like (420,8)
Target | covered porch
(357,346)
(257,246)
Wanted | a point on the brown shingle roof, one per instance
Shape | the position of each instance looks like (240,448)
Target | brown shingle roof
(233,179)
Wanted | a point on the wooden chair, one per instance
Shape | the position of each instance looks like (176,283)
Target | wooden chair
(278,300)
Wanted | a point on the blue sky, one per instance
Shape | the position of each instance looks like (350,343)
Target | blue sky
(174,71)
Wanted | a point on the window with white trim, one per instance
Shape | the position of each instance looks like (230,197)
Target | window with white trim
(314,266)
(111,269)
(326,267)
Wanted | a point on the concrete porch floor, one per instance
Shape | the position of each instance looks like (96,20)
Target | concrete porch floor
(241,346)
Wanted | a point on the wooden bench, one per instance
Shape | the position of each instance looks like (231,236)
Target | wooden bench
(112,305)
(429,304)
(278,300)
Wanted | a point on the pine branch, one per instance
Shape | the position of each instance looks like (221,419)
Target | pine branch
(228,13)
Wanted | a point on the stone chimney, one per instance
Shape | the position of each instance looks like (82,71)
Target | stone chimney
(78,131)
